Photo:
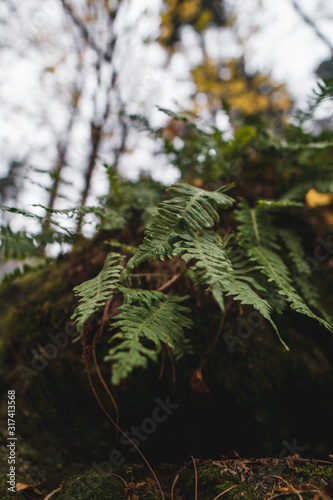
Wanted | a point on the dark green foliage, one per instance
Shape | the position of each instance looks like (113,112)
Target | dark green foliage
(95,292)
(242,247)
(152,315)
(190,209)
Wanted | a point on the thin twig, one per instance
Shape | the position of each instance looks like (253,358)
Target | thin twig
(225,491)
(173,485)
(227,307)
(86,349)
(97,337)
(195,479)
(162,362)
(313,25)
(170,282)
(172,364)
(293,490)
(123,480)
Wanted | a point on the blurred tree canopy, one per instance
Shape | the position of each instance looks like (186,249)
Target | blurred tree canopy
(93,72)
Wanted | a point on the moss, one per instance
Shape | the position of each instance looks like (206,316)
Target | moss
(257,484)
(4,493)
(93,486)
(210,482)
(310,474)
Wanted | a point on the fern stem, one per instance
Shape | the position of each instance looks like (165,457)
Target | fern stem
(97,338)
(255,225)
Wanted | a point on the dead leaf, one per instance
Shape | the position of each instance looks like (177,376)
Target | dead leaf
(197,383)
(327,491)
(316,199)
(29,491)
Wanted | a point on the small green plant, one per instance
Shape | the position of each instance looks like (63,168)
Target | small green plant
(231,243)
(250,265)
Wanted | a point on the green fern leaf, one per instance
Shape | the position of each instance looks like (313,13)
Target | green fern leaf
(302,272)
(213,268)
(258,236)
(16,245)
(95,292)
(190,209)
(127,356)
(145,315)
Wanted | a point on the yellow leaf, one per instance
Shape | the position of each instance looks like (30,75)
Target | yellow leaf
(315,199)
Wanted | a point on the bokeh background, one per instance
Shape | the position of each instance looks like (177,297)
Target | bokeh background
(72,71)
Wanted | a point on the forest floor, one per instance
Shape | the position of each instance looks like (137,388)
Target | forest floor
(229,478)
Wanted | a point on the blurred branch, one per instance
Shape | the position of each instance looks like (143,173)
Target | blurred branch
(313,25)
(85,33)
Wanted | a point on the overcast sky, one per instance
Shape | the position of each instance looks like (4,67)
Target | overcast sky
(272,35)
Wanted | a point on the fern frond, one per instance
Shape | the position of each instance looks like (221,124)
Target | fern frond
(258,236)
(109,218)
(190,209)
(145,315)
(183,347)
(95,292)
(16,245)
(303,272)
(127,356)
(213,268)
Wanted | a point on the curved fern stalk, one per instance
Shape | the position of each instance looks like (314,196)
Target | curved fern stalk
(213,268)
(95,292)
(151,316)
(258,237)
(191,208)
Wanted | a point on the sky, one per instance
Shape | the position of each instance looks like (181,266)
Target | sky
(34,106)
(283,43)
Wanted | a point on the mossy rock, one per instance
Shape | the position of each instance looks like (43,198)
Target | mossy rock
(252,399)
(234,479)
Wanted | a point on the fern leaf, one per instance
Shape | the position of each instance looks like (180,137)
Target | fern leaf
(16,245)
(127,356)
(213,268)
(147,315)
(302,272)
(95,292)
(258,237)
(191,208)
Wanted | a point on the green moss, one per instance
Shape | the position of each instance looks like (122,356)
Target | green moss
(310,474)
(93,486)
(210,482)
(97,487)
(213,480)
(4,493)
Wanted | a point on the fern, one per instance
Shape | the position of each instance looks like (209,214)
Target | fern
(109,218)
(95,292)
(212,265)
(213,268)
(258,237)
(16,245)
(191,209)
(302,278)
(147,315)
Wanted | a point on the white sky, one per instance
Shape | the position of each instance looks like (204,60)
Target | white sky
(33,109)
